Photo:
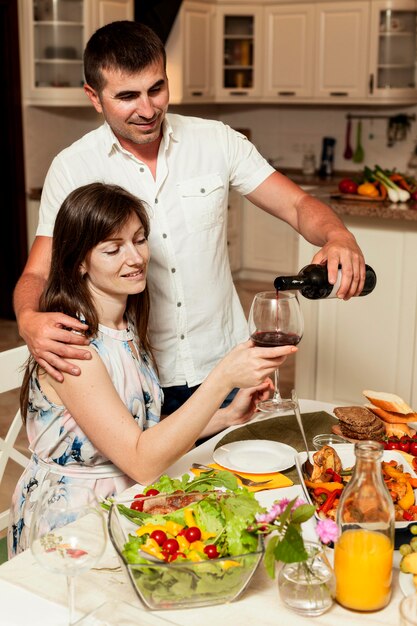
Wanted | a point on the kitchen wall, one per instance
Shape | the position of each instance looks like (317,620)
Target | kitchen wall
(280,133)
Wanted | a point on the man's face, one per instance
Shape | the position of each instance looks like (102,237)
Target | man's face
(134,105)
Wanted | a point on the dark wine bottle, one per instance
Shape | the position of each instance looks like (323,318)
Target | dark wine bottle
(312,282)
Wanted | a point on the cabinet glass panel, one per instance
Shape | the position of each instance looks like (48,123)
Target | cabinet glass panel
(58,42)
(397,50)
(238,51)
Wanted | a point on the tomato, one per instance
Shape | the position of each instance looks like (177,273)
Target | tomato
(152,492)
(159,536)
(193,534)
(211,551)
(173,557)
(170,546)
(413,448)
(393,445)
(137,504)
(405,443)
(347,185)
(384,443)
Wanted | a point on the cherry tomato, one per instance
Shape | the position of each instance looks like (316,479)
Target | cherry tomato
(159,536)
(173,557)
(384,443)
(413,448)
(182,531)
(152,492)
(405,443)
(393,445)
(211,551)
(193,534)
(170,546)
(137,504)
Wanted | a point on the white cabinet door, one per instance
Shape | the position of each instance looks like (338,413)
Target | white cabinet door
(393,51)
(367,342)
(239,53)
(106,11)
(342,42)
(289,50)
(189,51)
(269,244)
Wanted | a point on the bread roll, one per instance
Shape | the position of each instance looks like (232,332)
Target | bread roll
(387,401)
(392,418)
(399,430)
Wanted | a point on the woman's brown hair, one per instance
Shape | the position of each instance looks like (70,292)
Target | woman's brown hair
(89,215)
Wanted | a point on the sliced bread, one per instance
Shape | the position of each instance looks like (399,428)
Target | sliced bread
(390,417)
(387,401)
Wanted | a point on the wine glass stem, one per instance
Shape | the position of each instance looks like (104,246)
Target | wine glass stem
(71,599)
(277,395)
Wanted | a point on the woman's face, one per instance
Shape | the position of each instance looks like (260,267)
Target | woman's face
(117,266)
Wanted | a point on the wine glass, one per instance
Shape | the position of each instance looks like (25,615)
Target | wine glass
(68,533)
(275,319)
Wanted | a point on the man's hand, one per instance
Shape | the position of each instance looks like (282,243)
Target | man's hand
(343,250)
(46,335)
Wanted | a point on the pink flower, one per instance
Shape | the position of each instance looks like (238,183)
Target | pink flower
(327,530)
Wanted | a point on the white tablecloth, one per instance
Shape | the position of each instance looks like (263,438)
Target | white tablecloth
(260,604)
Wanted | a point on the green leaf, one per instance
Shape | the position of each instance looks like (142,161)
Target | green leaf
(269,556)
(303,513)
(291,547)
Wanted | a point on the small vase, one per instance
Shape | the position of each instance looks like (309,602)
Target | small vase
(308,588)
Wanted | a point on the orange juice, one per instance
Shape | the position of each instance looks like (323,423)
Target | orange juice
(363,569)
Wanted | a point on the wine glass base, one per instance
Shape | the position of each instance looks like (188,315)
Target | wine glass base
(276,405)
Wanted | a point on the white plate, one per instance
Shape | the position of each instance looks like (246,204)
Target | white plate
(406,584)
(255,456)
(346,453)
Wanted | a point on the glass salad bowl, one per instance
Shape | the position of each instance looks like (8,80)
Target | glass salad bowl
(179,583)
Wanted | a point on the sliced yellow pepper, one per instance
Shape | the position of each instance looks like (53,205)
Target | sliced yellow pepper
(368,189)
(228,564)
(189,518)
(183,543)
(197,545)
(329,486)
(407,500)
(193,555)
(172,528)
(206,535)
(148,529)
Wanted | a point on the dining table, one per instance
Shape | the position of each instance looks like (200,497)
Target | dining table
(31,594)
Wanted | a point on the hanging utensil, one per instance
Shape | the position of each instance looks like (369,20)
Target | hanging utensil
(359,153)
(348,153)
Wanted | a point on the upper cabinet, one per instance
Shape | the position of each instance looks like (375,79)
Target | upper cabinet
(341,50)
(288,59)
(189,51)
(238,56)
(393,51)
(53,37)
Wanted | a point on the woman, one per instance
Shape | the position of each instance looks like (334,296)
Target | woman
(95,429)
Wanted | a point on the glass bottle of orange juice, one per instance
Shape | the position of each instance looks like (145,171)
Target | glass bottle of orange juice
(364,551)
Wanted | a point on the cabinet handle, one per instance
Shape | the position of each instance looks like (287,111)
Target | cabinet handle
(339,93)
(196,93)
(371,83)
(238,93)
(286,93)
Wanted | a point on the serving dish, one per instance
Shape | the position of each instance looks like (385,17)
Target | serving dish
(181,584)
(346,453)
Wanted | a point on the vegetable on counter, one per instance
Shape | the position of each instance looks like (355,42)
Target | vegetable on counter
(381,184)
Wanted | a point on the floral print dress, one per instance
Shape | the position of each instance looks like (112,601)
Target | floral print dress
(62,454)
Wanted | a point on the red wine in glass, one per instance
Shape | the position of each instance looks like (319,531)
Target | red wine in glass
(273,338)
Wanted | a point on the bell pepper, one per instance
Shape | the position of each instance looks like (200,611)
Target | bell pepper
(334,475)
(330,486)
(407,500)
(369,190)
(329,502)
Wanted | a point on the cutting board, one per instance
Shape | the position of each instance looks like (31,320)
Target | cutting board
(355,197)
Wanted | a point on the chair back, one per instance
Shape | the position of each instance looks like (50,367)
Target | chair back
(11,374)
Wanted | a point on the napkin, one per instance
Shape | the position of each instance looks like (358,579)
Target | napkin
(277,480)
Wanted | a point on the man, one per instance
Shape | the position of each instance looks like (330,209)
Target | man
(182,168)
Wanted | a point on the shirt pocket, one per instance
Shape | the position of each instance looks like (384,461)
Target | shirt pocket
(202,201)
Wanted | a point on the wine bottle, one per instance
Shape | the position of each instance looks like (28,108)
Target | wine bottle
(313,284)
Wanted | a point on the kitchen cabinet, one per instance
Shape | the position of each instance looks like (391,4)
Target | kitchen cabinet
(288,50)
(269,245)
(189,54)
(234,229)
(367,342)
(53,34)
(341,50)
(238,55)
(393,51)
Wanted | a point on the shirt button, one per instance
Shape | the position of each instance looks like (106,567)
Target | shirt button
(164,235)
(156,200)
(202,190)
(179,304)
(141,169)
(173,270)
(182,337)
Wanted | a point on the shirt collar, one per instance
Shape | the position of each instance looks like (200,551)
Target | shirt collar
(112,143)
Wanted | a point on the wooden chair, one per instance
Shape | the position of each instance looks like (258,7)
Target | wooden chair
(11,374)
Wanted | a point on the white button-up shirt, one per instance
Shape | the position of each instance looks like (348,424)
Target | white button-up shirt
(196,316)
